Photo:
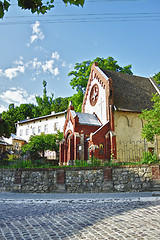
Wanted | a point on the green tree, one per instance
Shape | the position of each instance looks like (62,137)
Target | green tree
(15,114)
(151,117)
(60,104)
(81,73)
(77,100)
(4,128)
(45,102)
(156,77)
(40,143)
(38,6)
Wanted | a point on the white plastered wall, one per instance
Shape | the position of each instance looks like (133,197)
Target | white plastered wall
(50,121)
(100,107)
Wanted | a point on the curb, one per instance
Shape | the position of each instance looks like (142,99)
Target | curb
(156,193)
(79,201)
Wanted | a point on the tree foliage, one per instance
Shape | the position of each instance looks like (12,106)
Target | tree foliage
(44,103)
(152,120)
(81,72)
(38,6)
(4,128)
(77,100)
(15,114)
(60,104)
(156,77)
(41,143)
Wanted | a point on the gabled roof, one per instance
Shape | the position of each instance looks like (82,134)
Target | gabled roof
(131,93)
(42,117)
(2,142)
(86,118)
(15,137)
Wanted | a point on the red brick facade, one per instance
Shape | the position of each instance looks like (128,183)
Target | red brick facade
(84,141)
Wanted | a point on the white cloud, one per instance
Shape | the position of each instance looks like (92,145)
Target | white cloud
(13,72)
(36,33)
(17,96)
(33,38)
(56,71)
(47,66)
(63,64)
(55,55)
(36,63)
(20,61)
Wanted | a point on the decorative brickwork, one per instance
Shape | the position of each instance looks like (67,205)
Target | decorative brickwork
(60,176)
(156,172)
(18,175)
(108,102)
(107,174)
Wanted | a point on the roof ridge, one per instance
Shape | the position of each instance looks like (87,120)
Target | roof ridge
(116,72)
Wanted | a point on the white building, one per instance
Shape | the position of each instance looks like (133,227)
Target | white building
(48,124)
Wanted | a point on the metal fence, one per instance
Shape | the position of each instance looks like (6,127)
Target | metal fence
(132,151)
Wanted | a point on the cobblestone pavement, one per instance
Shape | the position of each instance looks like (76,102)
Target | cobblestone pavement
(112,219)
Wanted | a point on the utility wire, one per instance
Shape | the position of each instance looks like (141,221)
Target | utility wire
(82,18)
(90,1)
(86,18)
(90,14)
(79,21)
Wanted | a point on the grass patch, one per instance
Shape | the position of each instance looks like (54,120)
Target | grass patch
(12,162)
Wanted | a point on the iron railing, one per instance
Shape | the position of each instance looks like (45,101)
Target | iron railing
(132,151)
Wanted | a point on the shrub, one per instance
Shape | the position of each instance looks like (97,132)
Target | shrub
(22,164)
(149,158)
(81,163)
(91,163)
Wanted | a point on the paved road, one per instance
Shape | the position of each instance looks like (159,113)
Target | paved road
(79,216)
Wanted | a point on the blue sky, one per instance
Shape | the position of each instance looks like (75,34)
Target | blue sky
(34,48)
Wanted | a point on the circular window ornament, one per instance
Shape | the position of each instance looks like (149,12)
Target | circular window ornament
(94,95)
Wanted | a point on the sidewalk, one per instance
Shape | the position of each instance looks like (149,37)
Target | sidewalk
(75,197)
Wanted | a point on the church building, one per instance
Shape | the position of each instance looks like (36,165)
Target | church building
(109,125)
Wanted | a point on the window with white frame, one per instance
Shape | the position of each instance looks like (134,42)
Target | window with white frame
(27,131)
(56,126)
(39,129)
(33,130)
(21,132)
(46,128)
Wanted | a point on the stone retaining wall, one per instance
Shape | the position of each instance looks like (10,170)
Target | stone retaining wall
(79,180)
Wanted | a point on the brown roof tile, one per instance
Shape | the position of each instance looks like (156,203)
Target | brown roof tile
(131,93)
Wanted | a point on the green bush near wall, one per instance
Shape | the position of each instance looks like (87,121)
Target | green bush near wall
(149,158)
(12,162)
